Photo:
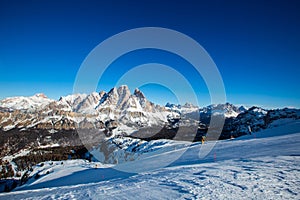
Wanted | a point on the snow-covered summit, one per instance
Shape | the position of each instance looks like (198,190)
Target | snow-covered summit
(227,109)
(37,101)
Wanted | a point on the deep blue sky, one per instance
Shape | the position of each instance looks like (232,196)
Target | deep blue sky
(255,45)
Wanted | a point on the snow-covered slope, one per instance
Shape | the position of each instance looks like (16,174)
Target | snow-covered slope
(262,166)
(32,103)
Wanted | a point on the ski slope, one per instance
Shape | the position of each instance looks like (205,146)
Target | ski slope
(264,165)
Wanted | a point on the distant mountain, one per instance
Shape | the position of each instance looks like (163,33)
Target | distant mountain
(26,103)
(227,109)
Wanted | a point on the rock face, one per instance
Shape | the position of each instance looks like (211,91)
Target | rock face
(138,94)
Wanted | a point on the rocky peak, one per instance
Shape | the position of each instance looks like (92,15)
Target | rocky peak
(112,92)
(123,91)
(242,109)
(138,93)
(102,93)
(255,109)
(88,104)
(116,97)
(124,95)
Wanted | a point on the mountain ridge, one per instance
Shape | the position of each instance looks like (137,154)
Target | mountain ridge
(130,112)
(117,104)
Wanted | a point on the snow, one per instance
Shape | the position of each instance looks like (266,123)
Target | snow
(264,165)
(23,152)
(48,145)
(61,168)
(8,127)
(71,101)
(276,128)
(126,129)
(227,110)
(26,103)
(283,122)
(10,158)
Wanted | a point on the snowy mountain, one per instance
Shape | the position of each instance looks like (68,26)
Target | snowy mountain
(131,113)
(118,104)
(32,103)
(227,110)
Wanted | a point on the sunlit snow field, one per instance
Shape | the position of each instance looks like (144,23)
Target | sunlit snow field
(264,165)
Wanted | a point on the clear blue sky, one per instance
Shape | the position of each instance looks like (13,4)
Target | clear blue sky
(255,45)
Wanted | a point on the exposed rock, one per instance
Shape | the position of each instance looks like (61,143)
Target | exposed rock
(138,93)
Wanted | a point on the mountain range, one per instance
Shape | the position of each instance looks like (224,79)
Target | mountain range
(128,113)
(83,110)
(118,124)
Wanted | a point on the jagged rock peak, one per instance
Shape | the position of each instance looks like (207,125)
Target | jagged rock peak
(123,89)
(138,93)
(112,91)
(101,94)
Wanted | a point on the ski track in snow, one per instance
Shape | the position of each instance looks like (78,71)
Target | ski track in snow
(259,178)
(244,168)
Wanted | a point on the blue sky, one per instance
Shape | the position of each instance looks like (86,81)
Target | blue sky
(255,45)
